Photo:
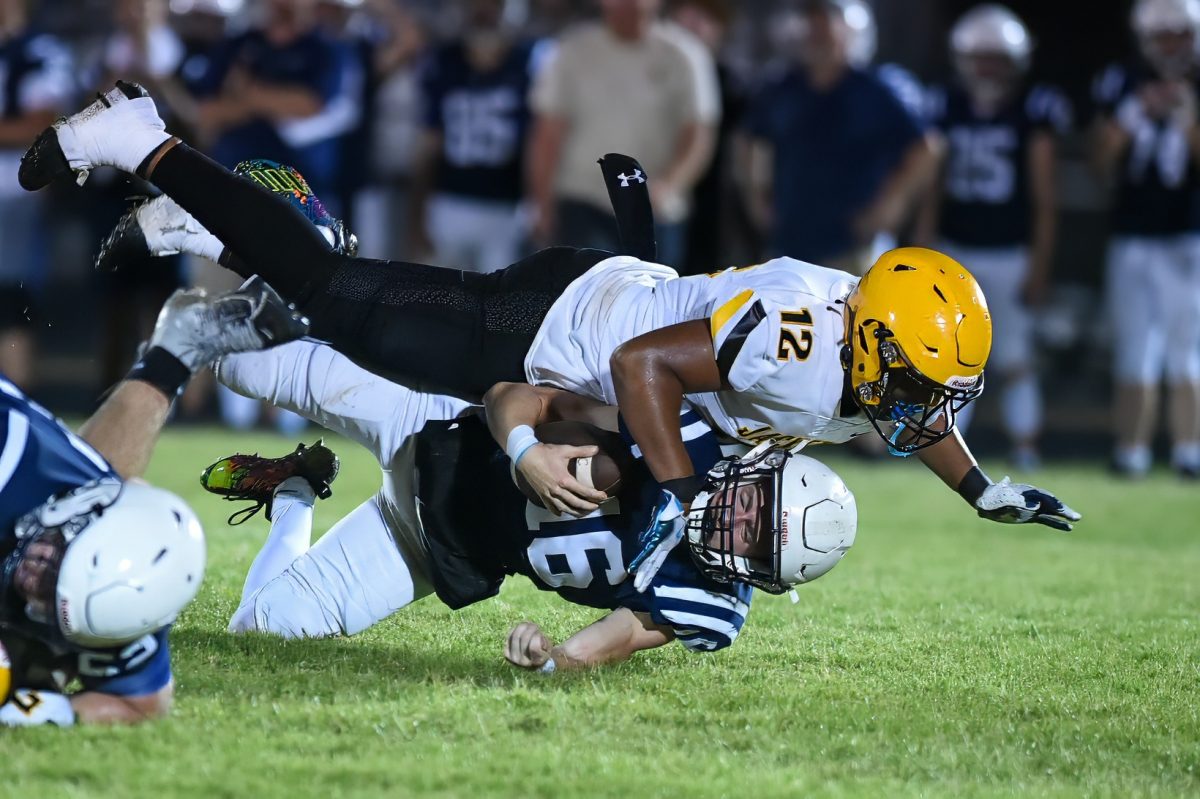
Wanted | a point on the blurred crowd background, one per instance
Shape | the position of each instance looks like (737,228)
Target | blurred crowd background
(1048,145)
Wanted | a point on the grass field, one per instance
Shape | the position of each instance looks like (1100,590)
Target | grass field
(946,656)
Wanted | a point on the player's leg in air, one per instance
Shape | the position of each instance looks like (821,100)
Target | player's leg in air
(369,565)
(431,327)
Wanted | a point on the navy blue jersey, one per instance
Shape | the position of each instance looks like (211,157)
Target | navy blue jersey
(585,561)
(482,118)
(39,457)
(906,87)
(1156,179)
(985,201)
(832,153)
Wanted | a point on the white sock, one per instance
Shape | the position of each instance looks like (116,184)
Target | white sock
(1021,408)
(206,245)
(1136,458)
(1186,455)
(121,136)
(290,536)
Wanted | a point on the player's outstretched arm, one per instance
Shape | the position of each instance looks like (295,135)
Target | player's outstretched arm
(651,374)
(514,410)
(192,331)
(1006,502)
(612,639)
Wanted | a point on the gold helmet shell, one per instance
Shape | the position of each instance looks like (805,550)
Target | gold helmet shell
(918,337)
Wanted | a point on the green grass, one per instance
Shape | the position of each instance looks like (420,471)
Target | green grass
(946,656)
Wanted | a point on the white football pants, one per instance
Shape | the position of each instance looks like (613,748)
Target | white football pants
(475,235)
(371,563)
(1154,308)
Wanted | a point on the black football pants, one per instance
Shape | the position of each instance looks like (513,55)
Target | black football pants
(432,328)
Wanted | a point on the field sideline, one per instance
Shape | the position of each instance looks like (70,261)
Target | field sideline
(945,656)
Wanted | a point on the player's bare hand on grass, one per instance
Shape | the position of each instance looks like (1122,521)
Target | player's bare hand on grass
(547,469)
(527,646)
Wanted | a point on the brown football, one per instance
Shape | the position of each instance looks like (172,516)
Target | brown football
(602,471)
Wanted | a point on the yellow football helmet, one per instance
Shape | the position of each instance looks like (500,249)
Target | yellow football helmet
(918,336)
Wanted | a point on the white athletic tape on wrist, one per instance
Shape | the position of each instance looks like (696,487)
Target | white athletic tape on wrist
(520,439)
(548,667)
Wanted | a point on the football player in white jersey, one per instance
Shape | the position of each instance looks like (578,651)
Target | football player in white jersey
(781,350)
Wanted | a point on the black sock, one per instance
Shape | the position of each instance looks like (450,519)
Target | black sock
(271,238)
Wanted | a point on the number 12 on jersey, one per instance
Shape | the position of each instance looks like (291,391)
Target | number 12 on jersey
(795,335)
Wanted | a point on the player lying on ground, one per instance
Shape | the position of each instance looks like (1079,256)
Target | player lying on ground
(784,350)
(95,564)
(449,519)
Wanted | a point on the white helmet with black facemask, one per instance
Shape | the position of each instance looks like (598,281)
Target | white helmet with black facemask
(105,563)
(806,520)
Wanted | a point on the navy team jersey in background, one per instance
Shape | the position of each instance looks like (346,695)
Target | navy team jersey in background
(480,528)
(1156,178)
(39,458)
(832,153)
(985,200)
(482,117)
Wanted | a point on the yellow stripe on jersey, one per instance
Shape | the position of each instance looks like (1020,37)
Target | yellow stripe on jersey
(727,311)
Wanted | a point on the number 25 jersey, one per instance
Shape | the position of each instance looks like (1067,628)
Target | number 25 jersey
(777,331)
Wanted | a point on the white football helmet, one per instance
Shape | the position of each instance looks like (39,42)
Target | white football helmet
(129,558)
(864,34)
(807,519)
(990,31)
(1154,19)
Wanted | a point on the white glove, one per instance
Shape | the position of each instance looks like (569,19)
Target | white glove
(30,708)
(1018,503)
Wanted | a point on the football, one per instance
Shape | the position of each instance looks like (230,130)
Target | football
(603,471)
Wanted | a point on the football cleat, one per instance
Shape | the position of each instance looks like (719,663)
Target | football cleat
(287,182)
(119,129)
(253,478)
(198,329)
(153,228)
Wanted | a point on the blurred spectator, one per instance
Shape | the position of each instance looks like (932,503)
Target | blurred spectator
(37,86)
(283,91)
(389,129)
(474,93)
(716,211)
(348,23)
(833,159)
(1146,141)
(625,84)
(144,49)
(995,208)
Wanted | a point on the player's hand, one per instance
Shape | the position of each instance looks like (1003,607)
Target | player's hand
(1019,503)
(545,467)
(664,533)
(527,646)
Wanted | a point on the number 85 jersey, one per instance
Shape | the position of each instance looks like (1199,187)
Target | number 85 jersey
(777,330)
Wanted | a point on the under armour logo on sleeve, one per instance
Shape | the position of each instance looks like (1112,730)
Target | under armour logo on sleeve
(637,175)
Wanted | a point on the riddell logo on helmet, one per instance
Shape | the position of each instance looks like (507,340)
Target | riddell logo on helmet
(64,614)
(783,530)
(962,382)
